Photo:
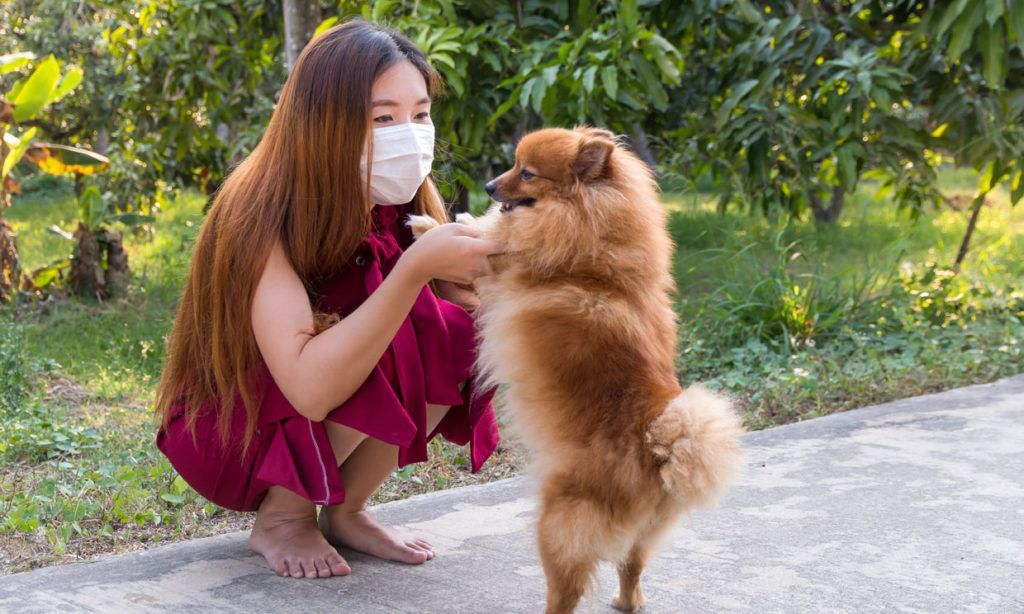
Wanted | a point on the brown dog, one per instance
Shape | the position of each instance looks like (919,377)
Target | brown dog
(578,325)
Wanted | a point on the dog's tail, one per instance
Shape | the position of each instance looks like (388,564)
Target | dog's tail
(697,442)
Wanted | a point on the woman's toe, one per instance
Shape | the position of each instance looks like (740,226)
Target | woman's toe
(309,568)
(338,566)
(416,556)
(424,544)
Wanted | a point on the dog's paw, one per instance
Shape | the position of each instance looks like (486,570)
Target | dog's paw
(420,224)
(464,218)
(628,605)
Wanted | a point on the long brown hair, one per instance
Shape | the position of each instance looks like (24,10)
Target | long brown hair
(301,184)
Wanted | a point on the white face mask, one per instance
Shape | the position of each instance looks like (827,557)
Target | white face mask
(402,156)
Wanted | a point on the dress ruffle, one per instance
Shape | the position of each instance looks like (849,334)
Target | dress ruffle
(432,352)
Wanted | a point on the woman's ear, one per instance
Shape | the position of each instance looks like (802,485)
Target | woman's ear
(592,156)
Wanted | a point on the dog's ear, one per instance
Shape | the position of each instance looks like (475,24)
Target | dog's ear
(595,132)
(592,156)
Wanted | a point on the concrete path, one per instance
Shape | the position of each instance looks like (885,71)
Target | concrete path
(912,506)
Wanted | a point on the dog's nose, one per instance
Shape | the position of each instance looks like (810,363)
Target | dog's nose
(490,188)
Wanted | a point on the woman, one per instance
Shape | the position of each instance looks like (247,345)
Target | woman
(262,411)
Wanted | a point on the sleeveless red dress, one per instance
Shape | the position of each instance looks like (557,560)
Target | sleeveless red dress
(431,354)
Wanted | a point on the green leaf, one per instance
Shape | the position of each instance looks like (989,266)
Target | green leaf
(990,178)
(748,13)
(91,206)
(994,54)
(660,51)
(173,499)
(610,80)
(994,10)
(324,26)
(537,95)
(70,81)
(17,150)
(526,92)
(14,61)
(588,79)
(45,276)
(502,110)
(847,163)
(1017,187)
(628,14)
(953,11)
(738,93)
(963,30)
(37,91)
(652,85)
(1016,22)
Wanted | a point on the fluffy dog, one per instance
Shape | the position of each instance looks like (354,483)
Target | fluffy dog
(578,325)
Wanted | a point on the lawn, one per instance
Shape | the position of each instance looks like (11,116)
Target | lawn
(793,320)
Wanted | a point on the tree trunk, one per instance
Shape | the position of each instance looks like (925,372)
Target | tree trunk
(99,264)
(117,263)
(965,245)
(102,141)
(301,17)
(462,200)
(830,214)
(86,277)
(639,143)
(11,275)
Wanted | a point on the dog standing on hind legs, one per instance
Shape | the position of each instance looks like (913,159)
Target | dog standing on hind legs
(577,323)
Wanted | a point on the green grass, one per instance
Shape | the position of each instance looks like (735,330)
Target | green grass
(793,319)
(798,320)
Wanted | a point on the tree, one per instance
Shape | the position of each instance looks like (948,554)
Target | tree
(301,18)
(792,103)
(199,79)
(26,99)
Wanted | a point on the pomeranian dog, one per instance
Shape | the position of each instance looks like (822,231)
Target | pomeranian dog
(578,326)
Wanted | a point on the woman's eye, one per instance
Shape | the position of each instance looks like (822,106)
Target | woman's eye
(423,115)
(382,118)
(526,175)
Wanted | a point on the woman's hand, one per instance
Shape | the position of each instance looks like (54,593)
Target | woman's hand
(450,252)
(462,295)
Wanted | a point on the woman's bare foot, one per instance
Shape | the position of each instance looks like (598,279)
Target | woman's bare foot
(293,545)
(360,531)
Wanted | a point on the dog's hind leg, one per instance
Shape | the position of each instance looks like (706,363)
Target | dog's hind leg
(631,594)
(569,532)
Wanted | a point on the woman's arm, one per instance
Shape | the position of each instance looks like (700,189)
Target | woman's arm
(318,373)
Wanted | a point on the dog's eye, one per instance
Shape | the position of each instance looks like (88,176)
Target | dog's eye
(526,175)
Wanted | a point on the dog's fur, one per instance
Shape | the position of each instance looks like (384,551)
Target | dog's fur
(577,323)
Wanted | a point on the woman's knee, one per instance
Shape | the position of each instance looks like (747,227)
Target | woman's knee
(344,439)
(435,413)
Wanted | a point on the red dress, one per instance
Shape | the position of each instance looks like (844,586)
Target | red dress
(431,354)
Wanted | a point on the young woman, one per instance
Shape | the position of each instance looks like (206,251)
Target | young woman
(262,411)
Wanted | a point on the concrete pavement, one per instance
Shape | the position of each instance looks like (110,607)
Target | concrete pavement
(911,506)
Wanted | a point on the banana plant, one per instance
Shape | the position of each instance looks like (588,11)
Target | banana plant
(97,264)
(26,99)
